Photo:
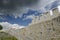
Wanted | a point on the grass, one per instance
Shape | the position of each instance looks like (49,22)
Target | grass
(6,36)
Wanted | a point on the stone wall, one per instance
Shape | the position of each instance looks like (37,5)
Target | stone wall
(47,29)
(46,16)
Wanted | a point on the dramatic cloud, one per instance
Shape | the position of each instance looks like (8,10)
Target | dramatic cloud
(17,7)
(19,10)
(52,5)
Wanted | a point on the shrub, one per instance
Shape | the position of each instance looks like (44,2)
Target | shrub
(1,27)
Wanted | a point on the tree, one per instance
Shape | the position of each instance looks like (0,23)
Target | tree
(1,27)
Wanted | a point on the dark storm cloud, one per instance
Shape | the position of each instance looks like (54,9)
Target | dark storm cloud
(26,2)
(21,2)
(16,7)
(9,4)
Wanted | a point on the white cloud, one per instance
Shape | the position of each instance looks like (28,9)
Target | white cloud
(24,9)
(7,25)
(31,16)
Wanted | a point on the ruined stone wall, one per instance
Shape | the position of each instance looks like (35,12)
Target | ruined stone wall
(46,16)
(47,29)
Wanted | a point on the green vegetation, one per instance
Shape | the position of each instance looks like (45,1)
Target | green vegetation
(1,27)
(6,36)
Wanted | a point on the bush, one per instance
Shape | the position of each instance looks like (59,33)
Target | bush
(1,27)
(8,38)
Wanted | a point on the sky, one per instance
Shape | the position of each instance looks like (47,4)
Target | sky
(20,13)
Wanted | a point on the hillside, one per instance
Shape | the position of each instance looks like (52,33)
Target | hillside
(6,36)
